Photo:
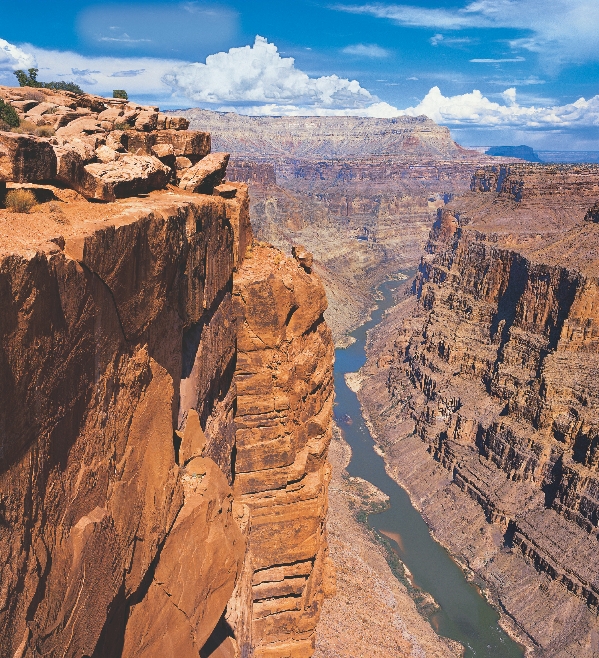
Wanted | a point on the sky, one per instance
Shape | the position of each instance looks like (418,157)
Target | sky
(496,72)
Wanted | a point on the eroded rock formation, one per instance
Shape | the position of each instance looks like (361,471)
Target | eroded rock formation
(143,512)
(359,193)
(484,392)
(284,409)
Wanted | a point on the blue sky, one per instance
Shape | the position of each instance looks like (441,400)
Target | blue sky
(494,71)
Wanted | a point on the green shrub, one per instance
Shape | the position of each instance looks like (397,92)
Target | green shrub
(122,125)
(120,93)
(9,115)
(19,200)
(30,80)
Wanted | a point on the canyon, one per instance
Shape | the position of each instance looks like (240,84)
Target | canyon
(360,194)
(166,386)
(168,393)
(481,391)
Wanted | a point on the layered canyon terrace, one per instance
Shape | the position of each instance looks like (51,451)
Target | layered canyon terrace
(482,387)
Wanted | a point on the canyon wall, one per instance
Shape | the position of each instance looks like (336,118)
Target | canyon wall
(166,398)
(484,395)
(359,193)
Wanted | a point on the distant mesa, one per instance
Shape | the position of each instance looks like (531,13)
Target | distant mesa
(522,152)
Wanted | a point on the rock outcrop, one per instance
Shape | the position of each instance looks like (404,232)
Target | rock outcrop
(102,148)
(284,410)
(483,389)
(150,503)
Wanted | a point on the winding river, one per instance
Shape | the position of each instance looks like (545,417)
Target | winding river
(463,614)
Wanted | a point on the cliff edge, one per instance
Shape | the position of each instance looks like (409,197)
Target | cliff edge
(166,395)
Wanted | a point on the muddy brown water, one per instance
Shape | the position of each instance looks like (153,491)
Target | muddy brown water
(463,614)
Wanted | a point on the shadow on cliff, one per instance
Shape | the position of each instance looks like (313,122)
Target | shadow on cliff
(508,303)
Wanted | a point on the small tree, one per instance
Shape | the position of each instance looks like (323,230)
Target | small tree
(30,80)
(120,93)
(9,115)
(64,86)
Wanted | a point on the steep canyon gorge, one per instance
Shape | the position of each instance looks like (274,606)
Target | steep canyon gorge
(360,194)
(482,393)
(167,384)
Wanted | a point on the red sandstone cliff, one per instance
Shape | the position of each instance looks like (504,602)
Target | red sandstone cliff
(144,510)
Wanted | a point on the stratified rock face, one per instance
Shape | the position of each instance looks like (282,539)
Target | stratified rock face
(284,424)
(325,137)
(495,370)
(359,193)
(121,533)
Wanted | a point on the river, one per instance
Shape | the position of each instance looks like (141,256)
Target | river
(463,614)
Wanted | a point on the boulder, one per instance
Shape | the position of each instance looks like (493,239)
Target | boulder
(206,174)
(106,154)
(42,108)
(183,163)
(87,125)
(25,158)
(64,119)
(192,144)
(131,175)
(146,121)
(117,140)
(226,191)
(177,123)
(111,114)
(303,257)
(71,159)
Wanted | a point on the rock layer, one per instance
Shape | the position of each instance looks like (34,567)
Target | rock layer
(163,436)
(284,415)
(490,370)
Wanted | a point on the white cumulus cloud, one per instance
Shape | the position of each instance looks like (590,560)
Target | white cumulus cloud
(258,75)
(13,58)
(474,109)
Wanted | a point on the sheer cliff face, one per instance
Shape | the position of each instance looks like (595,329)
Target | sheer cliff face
(96,511)
(284,407)
(142,513)
(495,371)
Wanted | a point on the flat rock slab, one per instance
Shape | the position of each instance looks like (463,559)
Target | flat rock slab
(130,175)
